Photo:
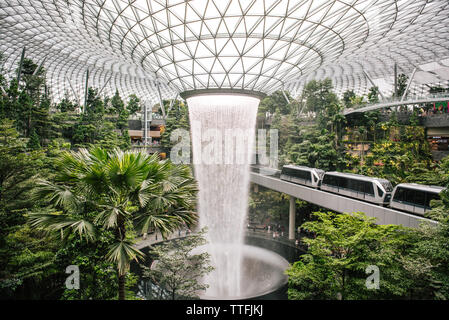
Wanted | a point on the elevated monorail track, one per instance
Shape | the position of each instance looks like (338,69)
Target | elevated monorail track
(338,203)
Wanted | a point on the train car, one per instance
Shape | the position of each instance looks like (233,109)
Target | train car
(310,177)
(414,198)
(357,186)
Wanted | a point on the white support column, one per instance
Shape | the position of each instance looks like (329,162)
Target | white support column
(19,73)
(172,103)
(145,124)
(161,102)
(3,91)
(285,97)
(86,90)
(291,220)
(78,100)
(104,86)
(408,84)
(39,66)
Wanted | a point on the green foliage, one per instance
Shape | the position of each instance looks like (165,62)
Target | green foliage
(97,191)
(33,143)
(93,128)
(98,278)
(117,103)
(178,119)
(24,255)
(319,95)
(402,84)
(28,270)
(405,160)
(17,168)
(66,105)
(348,97)
(316,145)
(133,104)
(276,102)
(342,247)
(373,95)
(268,206)
(178,271)
(316,150)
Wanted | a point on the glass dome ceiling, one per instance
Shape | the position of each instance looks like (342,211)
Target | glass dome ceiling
(258,45)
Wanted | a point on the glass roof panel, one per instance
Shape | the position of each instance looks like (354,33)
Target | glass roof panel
(250,44)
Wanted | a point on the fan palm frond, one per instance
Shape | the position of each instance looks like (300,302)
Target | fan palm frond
(58,195)
(61,222)
(162,222)
(121,253)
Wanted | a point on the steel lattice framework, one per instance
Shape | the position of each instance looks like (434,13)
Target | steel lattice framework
(259,45)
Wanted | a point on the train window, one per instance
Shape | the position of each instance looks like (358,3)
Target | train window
(351,184)
(359,186)
(300,174)
(305,175)
(369,188)
(342,182)
(330,180)
(309,176)
(294,173)
(419,198)
(356,185)
(399,195)
(380,192)
(409,196)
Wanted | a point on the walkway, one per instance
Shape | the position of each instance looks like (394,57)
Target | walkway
(263,234)
(396,103)
(156,237)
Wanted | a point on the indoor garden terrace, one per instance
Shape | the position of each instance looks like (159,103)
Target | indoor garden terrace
(224,150)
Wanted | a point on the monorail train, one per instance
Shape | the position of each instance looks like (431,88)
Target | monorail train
(302,175)
(356,186)
(414,198)
(408,197)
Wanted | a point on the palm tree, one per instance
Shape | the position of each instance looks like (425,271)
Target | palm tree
(118,191)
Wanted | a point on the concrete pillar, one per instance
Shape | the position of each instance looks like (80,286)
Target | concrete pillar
(291,220)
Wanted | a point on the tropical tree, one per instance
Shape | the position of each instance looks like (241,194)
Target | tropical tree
(341,249)
(348,95)
(133,104)
(276,102)
(177,269)
(178,118)
(373,95)
(319,95)
(402,84)
(123,192)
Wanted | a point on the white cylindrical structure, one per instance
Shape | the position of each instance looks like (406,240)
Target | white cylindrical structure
(292,218)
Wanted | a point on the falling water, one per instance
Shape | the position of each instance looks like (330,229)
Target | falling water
(222,138)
